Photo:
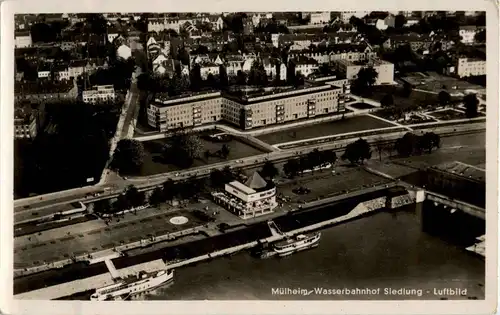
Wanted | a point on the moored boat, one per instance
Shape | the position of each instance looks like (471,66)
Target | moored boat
(132,285)
(296,243)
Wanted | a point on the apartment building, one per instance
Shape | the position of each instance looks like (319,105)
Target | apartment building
(350,70)
(22,39)
(248,111)
(470,67)
(25,127)
(99,93)
(350,52)
(345,16)
(319,17)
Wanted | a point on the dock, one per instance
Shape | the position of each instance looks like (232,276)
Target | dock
(111,268)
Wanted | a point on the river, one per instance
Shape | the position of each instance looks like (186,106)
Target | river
(387,250)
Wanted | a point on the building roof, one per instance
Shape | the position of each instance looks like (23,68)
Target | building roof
(241,187)
(256,181)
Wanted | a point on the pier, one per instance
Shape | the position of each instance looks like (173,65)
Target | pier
(112,270)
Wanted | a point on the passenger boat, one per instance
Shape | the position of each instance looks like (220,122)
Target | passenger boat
(132,285)
(296,243)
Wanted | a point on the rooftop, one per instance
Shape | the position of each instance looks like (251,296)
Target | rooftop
(371,62)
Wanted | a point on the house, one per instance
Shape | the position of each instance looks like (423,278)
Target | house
(470,67)
(22,39)
(44,71)
(209,68)
(274,68)
(350,69)
(76,68)
(61,72)
(99,93)
(468,32)
(67,46)
(306,66)
(112,33)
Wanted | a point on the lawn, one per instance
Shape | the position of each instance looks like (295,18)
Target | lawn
(153,163)
(358,123)
(448,114)
(361,106)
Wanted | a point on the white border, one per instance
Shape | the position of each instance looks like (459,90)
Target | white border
(10,306)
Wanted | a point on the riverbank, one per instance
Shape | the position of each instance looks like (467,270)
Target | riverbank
(311,217)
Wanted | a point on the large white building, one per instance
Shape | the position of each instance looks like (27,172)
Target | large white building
(470,67)
(253,198)
(99,93)
(350,70)
(319,17)
(255,110)
(345,16)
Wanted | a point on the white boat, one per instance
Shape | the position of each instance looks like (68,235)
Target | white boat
(132,285)
(296,243)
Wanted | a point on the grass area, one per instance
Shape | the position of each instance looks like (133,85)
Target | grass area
(153,163)
(448,114)
(332,184)
(361,106)
(416,98)
(353,124)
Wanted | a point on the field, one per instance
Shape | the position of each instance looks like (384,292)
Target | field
(153,163)
(353,124)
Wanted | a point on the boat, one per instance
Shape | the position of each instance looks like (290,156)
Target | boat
(296,243)
(126,287)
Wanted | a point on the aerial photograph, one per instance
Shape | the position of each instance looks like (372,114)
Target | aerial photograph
(334,155)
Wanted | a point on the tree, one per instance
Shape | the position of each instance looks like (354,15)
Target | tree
(328,156)
(429,141)
(121,204)
(135,197)
(195,78)
(387,100)
(471,102)
(257,75)
(444,98)
(224,151)
(480,36)
(314,159)
(291,168)
(157,196)
(406,145)
(128,156)
(102,206)
(269,170)
(357,151)
(407,89)
(366,79)
(183,56)
(182,148)
(170,189)
(399,21)
(241,78)
(223,78)
(380,145)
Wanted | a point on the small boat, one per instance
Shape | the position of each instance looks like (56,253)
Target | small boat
(296,243)
(132,285)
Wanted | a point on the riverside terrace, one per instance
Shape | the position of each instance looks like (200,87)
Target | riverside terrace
(253,108)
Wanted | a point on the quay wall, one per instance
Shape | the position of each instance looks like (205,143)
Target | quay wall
(86,284)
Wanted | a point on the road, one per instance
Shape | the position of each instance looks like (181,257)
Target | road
(117,184)
(60,243)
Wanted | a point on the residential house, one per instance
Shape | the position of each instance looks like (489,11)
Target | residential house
(44,71)
(99,93)
(208,68)
(468,32)
(350,69)
(470,67)
(76,68)
(112,33)
(61,72)
(304,65)
(22,39)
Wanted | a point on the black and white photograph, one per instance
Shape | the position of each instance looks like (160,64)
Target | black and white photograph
(282,155)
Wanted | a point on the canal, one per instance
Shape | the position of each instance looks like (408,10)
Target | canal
(412,251)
